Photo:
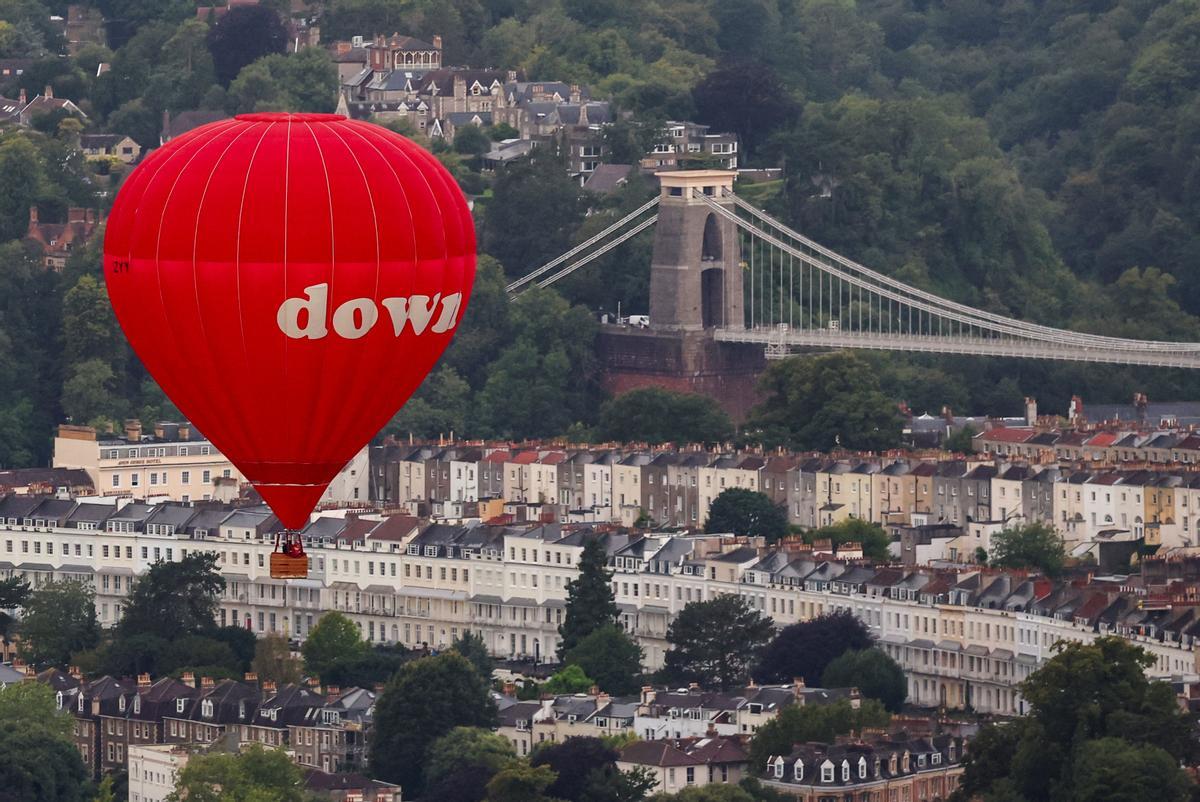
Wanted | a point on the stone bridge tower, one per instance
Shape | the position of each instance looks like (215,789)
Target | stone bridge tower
(695,271)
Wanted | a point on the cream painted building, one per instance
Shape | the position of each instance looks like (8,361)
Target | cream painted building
(174,463)
(153,769)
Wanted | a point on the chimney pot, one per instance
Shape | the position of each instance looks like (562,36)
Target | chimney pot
(250,676)
(188,678)
(268,686)
(49,92)
(206,682)
(143,680)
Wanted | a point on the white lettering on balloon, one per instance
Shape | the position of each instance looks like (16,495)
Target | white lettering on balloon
(304,318)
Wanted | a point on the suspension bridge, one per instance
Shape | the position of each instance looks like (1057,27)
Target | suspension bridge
(725,268)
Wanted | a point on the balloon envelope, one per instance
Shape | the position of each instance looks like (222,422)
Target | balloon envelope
(289,280)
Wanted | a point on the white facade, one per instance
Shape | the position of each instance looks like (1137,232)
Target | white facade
(153,770)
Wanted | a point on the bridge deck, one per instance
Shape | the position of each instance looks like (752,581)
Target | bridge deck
(778,344)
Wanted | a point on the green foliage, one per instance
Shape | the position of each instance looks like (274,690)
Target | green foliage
(875,674)
(1094,716)
(586,771)
(273,661)
(611,657)
(20,175)
(253,775)
(654,415)
(303,81)
(568,680)
(424,701)
(40,759)
(871,536)
(797,724)
(746,512)
(1036,546)
(715,642)
(59,619)
(467,746)
(534,209)
(334,637)
(243,35)
(14,591)
(366,668)
(590,602)
(173,599)
(521,783)
(962,441)
(806,649)
(473,647)
(825,402)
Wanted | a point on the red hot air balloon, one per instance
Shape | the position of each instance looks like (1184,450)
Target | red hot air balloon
(289,280)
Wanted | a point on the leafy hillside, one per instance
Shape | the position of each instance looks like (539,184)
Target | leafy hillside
(1034,159)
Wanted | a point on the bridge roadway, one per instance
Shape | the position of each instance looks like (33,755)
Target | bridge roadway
(779,342)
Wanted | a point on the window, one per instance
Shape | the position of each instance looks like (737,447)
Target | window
(798,770)
(206,477)
(186,477)
(116,480)
(827,772)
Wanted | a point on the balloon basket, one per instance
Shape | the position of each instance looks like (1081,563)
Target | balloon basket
(285,567)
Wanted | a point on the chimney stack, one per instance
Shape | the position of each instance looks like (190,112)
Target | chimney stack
(206,682)
(188,679)
(22,99)
(510,688)
(437,42)
(143,680)
(133,430)
(648,694)
(49,92)
(250,676)
(268,686)
(1030,410)
(75,672)
(332,693)
(33,215)
(798,687)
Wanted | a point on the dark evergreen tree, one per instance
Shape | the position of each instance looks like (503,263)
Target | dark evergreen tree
(805,649)
(746,512)
(715,642)
(590,602)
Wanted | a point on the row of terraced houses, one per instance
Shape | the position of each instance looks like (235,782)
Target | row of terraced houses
(965,635)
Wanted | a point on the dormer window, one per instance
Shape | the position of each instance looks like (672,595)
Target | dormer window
(777,767)
(845,771)
(798,770)
(951,751)
(921,761)
(862,768)
(241,709)
(81,703)
(936,758)
(179,705)
(877,764)
(206,708)
(58,700)
(137,704)
(826,772)
(121,703)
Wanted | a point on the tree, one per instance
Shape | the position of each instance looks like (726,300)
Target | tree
(746,512)
(173,599)
(747,98)
(586,770)
(1035,545)
(467,746)
(90,329)
(590,602)
(59,619)
(521,783)
(610,657)
(875,674)
(425,700)
(366,668)
(89,392)
(243,35)
(253,774)
(654,415)
(467,783)
(806,649)
(471,140)
(568,680)
(706,793)
(962,441)
(273,660)
(21,175)
(1092,712)
(472,647)
(334,637)
(797,724)
(715,642)
(13,592)
(824,402)
(303,81)
(439,406)
(535,208)
(871,536)
(1113,770)
(40,760)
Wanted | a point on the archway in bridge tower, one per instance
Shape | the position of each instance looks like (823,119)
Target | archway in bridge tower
(712,250)
(712,297)
(712,276)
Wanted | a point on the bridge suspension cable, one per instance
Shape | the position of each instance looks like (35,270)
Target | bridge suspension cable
(583,246)
(981,315)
